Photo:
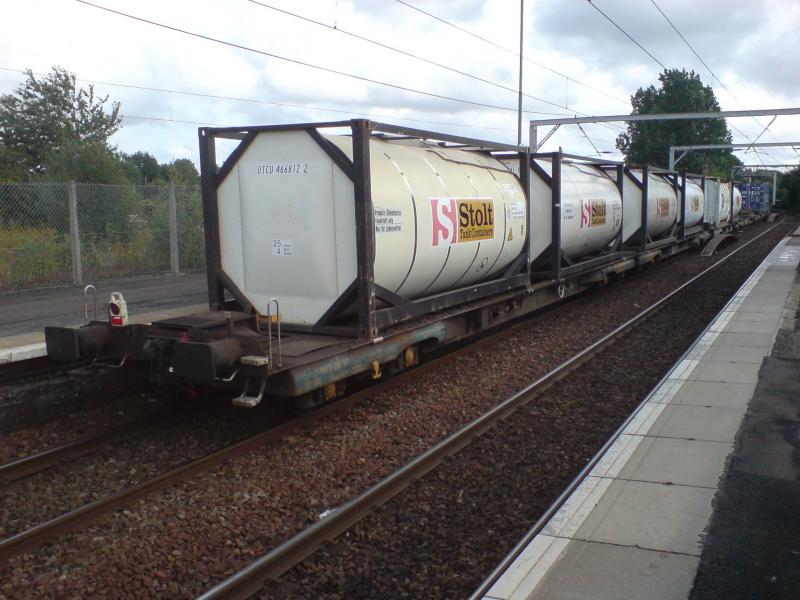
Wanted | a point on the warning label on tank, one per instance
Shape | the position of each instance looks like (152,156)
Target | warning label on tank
(593,213)
(695,203)
(388,220)
(516,210)
(282,247)
(662,207)
(461,220)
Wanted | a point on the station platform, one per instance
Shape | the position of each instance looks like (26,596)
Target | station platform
(24,315)
(697,496)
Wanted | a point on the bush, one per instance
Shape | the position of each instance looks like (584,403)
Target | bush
(33,257)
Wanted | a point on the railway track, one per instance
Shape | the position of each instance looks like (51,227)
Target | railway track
(281,559)
(33,537)
(40,461)
(79,517)
(35,368)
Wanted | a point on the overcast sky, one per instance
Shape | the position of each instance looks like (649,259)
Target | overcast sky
(748,44)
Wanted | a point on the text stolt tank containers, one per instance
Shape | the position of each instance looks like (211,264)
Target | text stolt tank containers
(444,218)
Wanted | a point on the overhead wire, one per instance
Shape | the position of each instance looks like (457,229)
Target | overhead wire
(306,64)
(260,101)
(625,33)
(763,131)
(589,139)
(632,39)
(402,52)
(508,50)
(526,59)
(713,75)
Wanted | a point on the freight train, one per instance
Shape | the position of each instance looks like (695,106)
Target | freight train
(345,250)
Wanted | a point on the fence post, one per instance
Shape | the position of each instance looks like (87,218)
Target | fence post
(75,235)
(173,231)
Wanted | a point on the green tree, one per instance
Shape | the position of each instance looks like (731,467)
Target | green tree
(84,162)
(146,166)
(11,167)
(648,142)
(788,193)
(43,115)
(182,171)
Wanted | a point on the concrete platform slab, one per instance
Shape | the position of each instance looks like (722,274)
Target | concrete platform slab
(676,461)
(715,394)
(751,326)
(710,424)
(728,372)
(737,355)
(759,340)
(762,303)
(756,316)
(613,572)
(652,516)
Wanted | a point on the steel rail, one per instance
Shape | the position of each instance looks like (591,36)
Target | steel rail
(272,565)
(71,520)
(45,459)
(12,372)
(548,514)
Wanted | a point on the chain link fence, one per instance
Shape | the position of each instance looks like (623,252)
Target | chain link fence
(54,234)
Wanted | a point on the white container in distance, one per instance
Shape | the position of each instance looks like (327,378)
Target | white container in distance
(591,210)
(662,205)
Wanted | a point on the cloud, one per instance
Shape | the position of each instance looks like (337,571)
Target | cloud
(744,42)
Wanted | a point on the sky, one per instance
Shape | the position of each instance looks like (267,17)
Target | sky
(576,62)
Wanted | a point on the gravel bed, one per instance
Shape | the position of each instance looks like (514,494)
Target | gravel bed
(63,406)
(442,536)
(175,441)
(180,541)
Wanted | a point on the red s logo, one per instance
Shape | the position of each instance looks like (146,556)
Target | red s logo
(443,212)
(586,213)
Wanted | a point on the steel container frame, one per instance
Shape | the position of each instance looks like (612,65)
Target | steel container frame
(371,319)
(560,265)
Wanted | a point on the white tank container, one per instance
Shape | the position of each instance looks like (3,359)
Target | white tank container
(662,205)
(444,218)
(591,210)
(711,213)
(737,202)
(724,202)
(695,204)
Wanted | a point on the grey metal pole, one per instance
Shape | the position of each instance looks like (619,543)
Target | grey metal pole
(75,235)
(519,109)
(174,265)
(774,186)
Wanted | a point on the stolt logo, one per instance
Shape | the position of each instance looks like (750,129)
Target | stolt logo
(460,220)
(593,212)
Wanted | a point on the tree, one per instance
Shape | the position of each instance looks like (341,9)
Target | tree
(11,168)
(84,162)
(648,142)
(182,171)
(43,115)
(146,166)
(789,189)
